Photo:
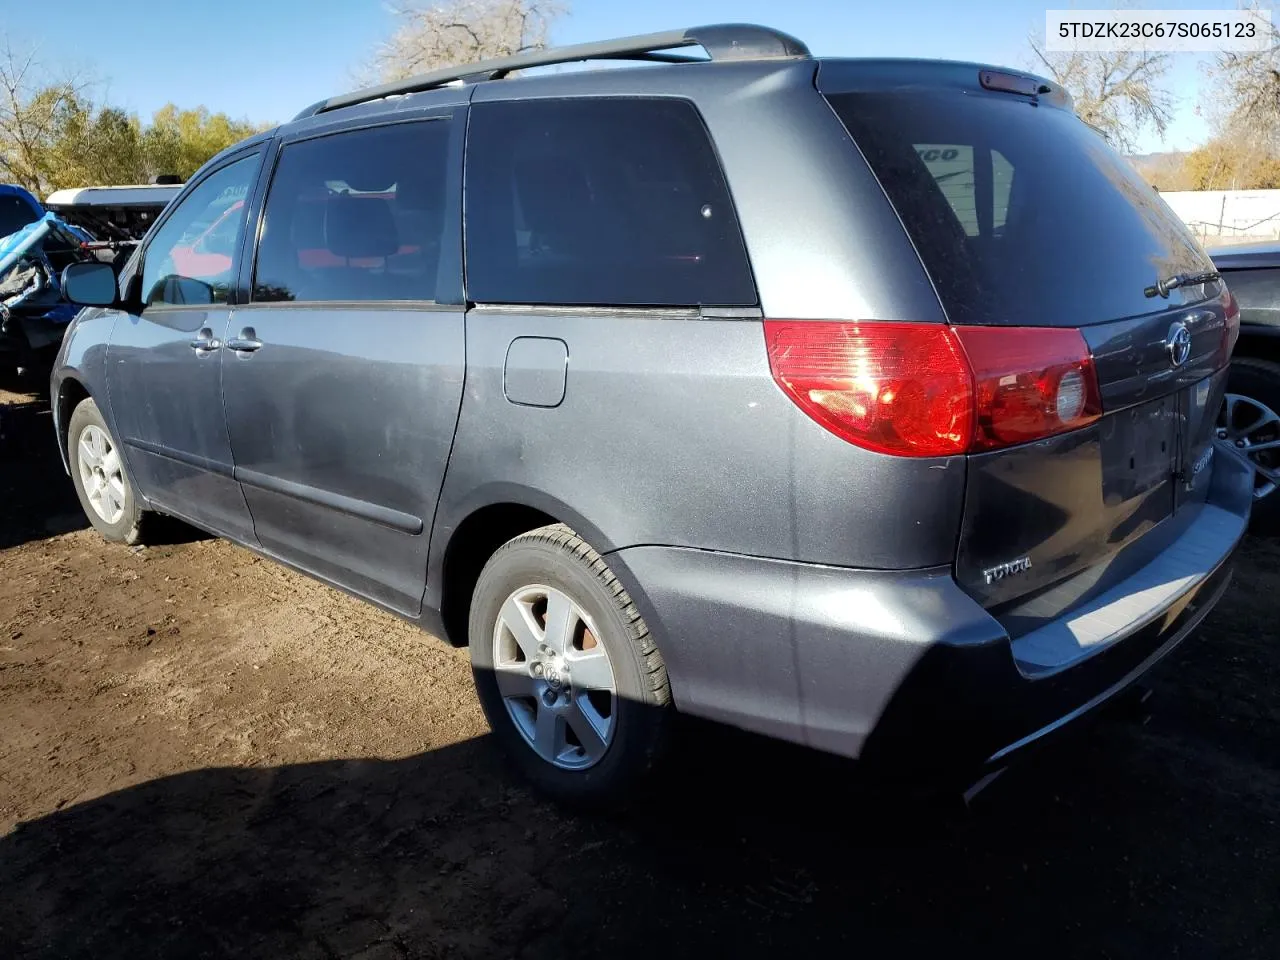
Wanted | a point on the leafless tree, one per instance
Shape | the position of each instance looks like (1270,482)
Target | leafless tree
(1241,100)
(30,107)
(1243,92)
(1119,93)
(450,32)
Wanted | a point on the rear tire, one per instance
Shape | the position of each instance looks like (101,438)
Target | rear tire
(1256,378)
(102,483)
(580,700)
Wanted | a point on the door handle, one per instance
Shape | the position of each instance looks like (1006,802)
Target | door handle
(205,342)
(247,342)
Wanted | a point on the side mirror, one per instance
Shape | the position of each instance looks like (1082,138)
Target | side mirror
(90,284)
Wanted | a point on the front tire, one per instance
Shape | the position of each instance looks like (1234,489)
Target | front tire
(572,684)
(101,480)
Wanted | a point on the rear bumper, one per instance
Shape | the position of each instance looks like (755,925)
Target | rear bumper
(902,669)
(964,710)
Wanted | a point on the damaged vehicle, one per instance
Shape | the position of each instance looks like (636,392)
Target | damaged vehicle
(17,208)
(93,223)
(33,314)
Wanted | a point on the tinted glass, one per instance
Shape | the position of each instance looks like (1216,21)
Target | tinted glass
(192,256)
(599,202)
(953,169)
(15,213)
(1021,214)
(356,216)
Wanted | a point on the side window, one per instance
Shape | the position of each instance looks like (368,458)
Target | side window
(191,258)
(953,169)
(356,216)
(599,202)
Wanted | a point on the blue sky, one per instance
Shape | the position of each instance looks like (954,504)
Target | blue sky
(266,59)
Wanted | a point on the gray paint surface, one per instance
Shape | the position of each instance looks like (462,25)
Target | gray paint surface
(653,444)
(800,651)
(167,400)
(340,426)
(535,372)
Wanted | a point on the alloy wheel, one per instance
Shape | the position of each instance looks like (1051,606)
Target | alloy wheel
(101,473)
(555,676)
(1253,431)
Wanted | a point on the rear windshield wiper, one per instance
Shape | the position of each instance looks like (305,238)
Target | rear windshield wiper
(1163,288)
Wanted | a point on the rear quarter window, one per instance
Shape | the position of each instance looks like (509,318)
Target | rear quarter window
(599,202)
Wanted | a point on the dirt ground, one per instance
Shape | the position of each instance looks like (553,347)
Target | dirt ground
(203,755)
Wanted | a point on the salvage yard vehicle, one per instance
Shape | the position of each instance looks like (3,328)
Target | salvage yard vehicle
(114,213)
(793,393)
(36,244)
(33,313)
(17,208)
(1251,416)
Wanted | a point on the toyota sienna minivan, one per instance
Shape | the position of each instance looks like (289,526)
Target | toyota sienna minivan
(868,404)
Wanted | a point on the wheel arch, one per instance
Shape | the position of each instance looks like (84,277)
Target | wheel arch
(461,547)
(71,392)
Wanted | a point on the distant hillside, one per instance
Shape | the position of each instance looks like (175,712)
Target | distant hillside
(1158,168)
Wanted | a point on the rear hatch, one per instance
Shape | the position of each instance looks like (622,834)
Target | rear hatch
(1024,217)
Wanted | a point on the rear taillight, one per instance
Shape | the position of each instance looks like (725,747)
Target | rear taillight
(930,390)
(901,388)
(1231,325)
(1030,382)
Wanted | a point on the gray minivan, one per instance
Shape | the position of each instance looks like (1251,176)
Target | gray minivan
(868,404)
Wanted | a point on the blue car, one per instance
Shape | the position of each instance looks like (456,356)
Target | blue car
(17,208)
(35,246)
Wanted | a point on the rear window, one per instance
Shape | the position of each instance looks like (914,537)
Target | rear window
(1022,214)
(599,202)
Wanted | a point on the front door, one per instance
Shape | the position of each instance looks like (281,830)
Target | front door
(343,374)
(163,363)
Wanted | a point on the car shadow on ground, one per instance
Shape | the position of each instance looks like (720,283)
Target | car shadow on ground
(742,848)
(37,497)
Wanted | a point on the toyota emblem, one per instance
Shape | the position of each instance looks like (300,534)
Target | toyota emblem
(1179,343)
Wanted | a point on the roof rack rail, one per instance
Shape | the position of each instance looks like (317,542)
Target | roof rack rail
(722,41)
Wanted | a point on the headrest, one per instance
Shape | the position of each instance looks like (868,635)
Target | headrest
(360,227)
